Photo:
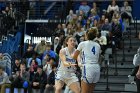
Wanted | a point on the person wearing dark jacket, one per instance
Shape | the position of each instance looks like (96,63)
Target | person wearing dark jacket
(51,81)
(39,80)
(29,52)
(16,66)
(19,78)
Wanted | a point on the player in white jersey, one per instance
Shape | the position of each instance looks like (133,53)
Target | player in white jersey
(66,68)
(90,51)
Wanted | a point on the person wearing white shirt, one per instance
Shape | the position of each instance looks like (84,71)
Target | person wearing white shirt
(90,51)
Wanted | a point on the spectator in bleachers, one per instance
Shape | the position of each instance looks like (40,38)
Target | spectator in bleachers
(33,66)
(74,20)
(45,59)
(79,32)
(95,8)
(8,11)
(94,16)
(113,8)
(105,30)
(102,40)
(29,53)
(34,57)
(106,26)
(56,45)
(116,32)
(59,30)
(126,12)
(70,16)
(64,28)
(84,7)
(40,47)
(48,65)
(2,61)
(81,13)
(16,66)
(95,23)
(87,25)
(4,80)
(118,16)
(39,81)
(51,81)
(19,79)
(70,30)
(32,69)
(102,20)
(62,38)
(48,51)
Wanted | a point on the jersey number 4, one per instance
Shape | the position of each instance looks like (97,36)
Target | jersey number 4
(93,50)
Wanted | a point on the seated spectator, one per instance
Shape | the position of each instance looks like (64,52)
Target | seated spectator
(69,30)
(39,81)
(102,21)
(87,25)
(40,47)
(81,20)
(95,8)
(45,59)
(34,57)
(94,16)
(56,45)
(16,66)
(2,61)
(48,66)
(126,11)
(70,16)
(78,32)
(95,24)
(33,69)
(116,32)
(64,28)
(51,81)
(85,8)
(113,8)
(8,11)
(74,21)
(58,30)
(19,79)
(106,26)
(4,80)
(29,53)
(49,52)
(102,40)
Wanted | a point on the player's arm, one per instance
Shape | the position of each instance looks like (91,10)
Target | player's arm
(62,56)
(77,52)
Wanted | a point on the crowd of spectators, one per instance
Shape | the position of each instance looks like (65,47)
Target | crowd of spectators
(35,70)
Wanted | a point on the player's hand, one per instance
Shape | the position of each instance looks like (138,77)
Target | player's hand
(71,64)
(138,75)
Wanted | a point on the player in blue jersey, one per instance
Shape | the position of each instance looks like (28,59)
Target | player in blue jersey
(89,51)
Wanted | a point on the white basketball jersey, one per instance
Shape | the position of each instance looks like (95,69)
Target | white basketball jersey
(90,51)
(61,67)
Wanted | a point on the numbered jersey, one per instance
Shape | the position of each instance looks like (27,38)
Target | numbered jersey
(90,51)
(61,67)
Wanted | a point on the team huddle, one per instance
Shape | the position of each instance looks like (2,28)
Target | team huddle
(86,56)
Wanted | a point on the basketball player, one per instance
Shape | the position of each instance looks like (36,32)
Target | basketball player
(90,51)
(66,68)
